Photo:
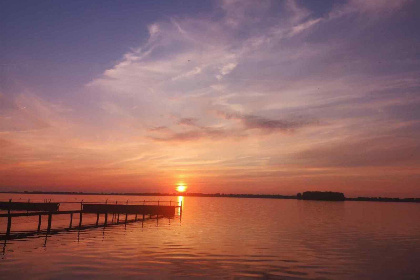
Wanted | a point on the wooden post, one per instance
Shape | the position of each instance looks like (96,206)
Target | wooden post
(81,216)
(80,220)
(97,219)
(9,220)
(49,222)
(118,218)
(106,218)
(180,213)
(39,223)
(142,221)
(9,224)
(71,220)
(135,219)
(126,215)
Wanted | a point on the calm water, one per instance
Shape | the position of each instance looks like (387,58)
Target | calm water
(226,238)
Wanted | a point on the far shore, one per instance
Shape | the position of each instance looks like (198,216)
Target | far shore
(268,196)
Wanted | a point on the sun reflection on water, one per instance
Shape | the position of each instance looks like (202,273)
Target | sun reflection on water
(180,200)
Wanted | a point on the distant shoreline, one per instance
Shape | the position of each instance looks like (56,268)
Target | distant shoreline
(268,196)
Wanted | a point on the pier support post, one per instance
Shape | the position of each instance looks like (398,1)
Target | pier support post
(9,225)
(80,220)
(9,220)
(106,219)
(71,220)
(126,217)
(135,219)
(97,219)
(39,223)
(49,222)
(118,218)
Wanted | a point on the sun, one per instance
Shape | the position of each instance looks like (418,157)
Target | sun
(181,188)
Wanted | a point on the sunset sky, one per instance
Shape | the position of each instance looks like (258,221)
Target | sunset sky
(221,96)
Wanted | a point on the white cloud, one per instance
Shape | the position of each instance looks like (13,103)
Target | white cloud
(303,26)
(153,29)
(226,69)
(195,71)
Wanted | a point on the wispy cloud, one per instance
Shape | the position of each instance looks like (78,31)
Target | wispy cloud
(270,125)
(192,135)
(253,93)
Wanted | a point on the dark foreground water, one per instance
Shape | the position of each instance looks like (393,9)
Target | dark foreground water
(226,238)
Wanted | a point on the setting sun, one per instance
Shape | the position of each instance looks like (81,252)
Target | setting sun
(181,188)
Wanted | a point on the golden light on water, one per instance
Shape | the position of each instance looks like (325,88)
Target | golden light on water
(180,203)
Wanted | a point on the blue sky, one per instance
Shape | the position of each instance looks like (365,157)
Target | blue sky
(224,96)
(67,43)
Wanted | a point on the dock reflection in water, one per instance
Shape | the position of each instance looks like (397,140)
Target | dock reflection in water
(228,238)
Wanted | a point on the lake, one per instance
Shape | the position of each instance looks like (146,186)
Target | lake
(224,238)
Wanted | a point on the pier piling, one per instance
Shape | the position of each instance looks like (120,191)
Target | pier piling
(71,220)
(39,223)
(9,225)
(80,220)
(49,222)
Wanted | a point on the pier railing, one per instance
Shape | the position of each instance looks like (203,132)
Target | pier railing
(48,204)
(28,206)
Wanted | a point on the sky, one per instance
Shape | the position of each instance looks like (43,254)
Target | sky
(270,97)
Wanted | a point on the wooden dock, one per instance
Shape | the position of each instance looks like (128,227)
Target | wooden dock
(50,209)
(29,206)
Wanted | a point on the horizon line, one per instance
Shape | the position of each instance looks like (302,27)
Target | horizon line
(245,195)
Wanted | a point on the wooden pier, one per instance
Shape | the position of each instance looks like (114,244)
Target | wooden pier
(29,206)
(50,209)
